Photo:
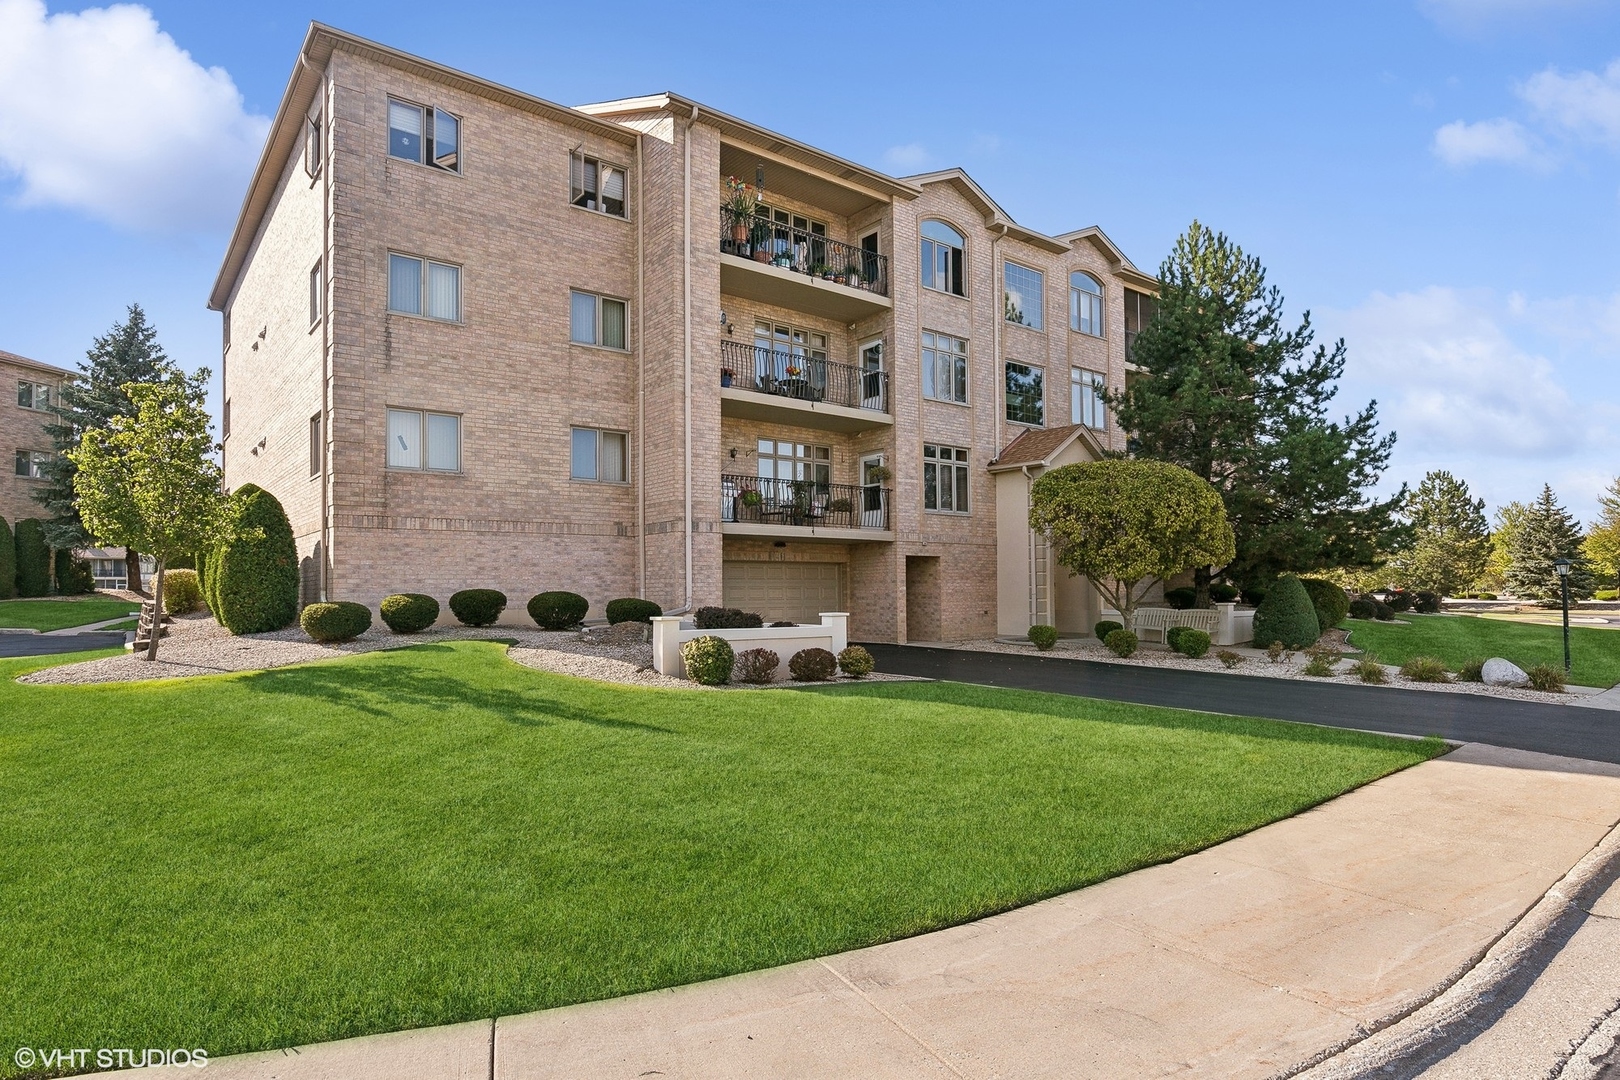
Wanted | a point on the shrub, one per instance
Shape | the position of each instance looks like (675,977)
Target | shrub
(1400,600)
(1362,609)
(725,618)
(1383,612)
(1546,677)
(856,662)
(1278,653)
(1425,669)
(1254,596)
(558,610)
(1472,670)
(409,613)
(33,559)
(1181,599)
(1287,615)
(1321,662)
(756,666)
(182,593)
(1173,635)
(339,621)
(812,665)
(1222,593)
(782,622)
(8,562)
(632,609)
(1121,643)
(708,660)
(1369,670)
(73,574)
(1106,627)
(1043,637)
(477,607)
(1191,643)
(253,582)
(1426,603)
(1601,594)
(1229,659)
(1329,601)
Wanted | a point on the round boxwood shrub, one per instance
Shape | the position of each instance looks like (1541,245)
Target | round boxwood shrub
(856,662)
(558,610)
(1191,642)
(1286,615)
(1173,635)
(1383,612)
(1121,642)
(1254,596)
(812,665)
(756,666)
(1043,637)
(341,620)
(409,613)
(1181,599)
(254,578)
(1362,608)
(632,609)
(1104,628)
(708,660)
(74,576)
(1222,593)
(1400,600)
(1330,602)
(33,559)
(182,593)
(477,607)
(1426,603)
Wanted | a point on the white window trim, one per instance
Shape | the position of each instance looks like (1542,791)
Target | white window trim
(1102,305)
(317,294)
(423,414)
(35,457)
(422,286)
(599,298)
(600,431)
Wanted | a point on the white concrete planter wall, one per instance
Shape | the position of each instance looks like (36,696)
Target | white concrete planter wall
(669,633)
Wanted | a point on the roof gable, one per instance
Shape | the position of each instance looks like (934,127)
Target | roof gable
(1041,446)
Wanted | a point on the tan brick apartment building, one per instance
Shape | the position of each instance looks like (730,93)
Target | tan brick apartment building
(23,420)
(473,338)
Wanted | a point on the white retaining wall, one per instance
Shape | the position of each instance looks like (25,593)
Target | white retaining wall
(669,633)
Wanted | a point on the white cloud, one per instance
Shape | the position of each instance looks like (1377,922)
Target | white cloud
(1460,144)
(102,112)
(1585,104)
(911,157)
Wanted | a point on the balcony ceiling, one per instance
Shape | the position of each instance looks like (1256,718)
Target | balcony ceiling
(798,292)
(753,405)
(839,200)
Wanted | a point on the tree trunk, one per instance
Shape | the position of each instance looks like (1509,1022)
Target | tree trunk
(157,613)
(132,569)
(1201,576)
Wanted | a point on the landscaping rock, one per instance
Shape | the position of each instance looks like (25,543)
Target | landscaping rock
(1500,672)
(624,633)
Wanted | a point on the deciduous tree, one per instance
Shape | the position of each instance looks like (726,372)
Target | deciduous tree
(1602,543)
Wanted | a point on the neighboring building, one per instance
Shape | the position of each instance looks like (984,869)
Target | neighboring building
(473,338)
(23,419)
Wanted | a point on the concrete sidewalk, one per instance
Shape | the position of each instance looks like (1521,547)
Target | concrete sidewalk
(1252,959)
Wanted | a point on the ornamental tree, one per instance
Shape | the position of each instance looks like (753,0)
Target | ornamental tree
(1602,543)
(1451,542)
(1548,532)
(150,482)
(1127,524)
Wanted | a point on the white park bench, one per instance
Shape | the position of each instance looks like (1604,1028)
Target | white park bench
(1224,624)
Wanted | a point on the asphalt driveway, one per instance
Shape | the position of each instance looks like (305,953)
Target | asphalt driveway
(47,644)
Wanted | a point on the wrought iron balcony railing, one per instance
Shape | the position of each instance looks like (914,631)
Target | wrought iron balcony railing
(766,369)
(760,500)
(756,236)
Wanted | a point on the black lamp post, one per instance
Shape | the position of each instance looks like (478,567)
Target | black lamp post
(1562,566)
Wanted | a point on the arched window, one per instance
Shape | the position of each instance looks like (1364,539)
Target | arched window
(942,258)
(1085,304)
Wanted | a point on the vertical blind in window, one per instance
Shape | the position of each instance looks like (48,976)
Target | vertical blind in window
(405,284)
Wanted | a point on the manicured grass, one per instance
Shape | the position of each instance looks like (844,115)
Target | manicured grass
(127,624)
(1456,639)
(60,614)
(436,834)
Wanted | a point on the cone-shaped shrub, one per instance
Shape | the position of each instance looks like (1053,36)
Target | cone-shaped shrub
(1286,615)
(74,576)
(33,559)
(8,562)
(254,578)
(1330,602)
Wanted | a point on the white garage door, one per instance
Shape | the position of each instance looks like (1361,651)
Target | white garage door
(794,591)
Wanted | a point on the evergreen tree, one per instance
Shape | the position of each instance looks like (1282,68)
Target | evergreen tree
(1548,532)
(1603,538)
(128,353)
(1508,520)
(1231,394)
(1451,541)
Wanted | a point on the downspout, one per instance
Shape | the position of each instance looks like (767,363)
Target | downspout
(1029,565)
(327,289)
(999,378)
(686,281)
(641,374)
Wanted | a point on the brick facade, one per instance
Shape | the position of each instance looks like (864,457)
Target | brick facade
(22,431)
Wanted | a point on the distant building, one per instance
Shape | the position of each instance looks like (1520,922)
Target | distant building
(23,419)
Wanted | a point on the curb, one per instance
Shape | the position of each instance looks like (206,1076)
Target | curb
(1471,1000)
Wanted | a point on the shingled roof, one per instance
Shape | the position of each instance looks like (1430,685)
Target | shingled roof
(1040,446)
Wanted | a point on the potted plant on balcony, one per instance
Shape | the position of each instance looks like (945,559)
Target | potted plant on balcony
(852,276)
(751,498)
(726,376)
(741,202)
(760,237)
(840,506)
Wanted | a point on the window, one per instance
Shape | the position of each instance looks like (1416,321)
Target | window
(225,331)
(1085,304)
(1139,310)
(799,240)
(34,395)
(788,357)
(598,455)
(424,135)
(317,294)
(1026,394)
(596,320)
(225,420)
(316,449)
(423,440)
(942,258)
(1086,399)
(944,367)
(945,479)
(32,463)
(313,146)
(409,278)
(596,185)
(779,459)
(1025,295)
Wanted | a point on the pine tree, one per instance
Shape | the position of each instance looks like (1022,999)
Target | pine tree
(1451,541)
(128,353)
(1602,544)
(1508,520)
(1548,532)
(1228,392)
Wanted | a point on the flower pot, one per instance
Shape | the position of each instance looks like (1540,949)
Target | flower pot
(725,378)
(762,255)
(739,234)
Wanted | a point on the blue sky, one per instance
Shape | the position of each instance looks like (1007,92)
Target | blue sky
(1434,179)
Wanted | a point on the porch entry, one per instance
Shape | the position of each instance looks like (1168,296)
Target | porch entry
(790,360)
(923,600)
(793,591)
(872,376)
(874,514)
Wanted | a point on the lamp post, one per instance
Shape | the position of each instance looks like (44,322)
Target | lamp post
(1562,566)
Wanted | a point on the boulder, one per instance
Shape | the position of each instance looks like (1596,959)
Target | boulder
(1500,672)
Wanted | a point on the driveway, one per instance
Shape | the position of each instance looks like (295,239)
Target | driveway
(1593,734)
(47,644)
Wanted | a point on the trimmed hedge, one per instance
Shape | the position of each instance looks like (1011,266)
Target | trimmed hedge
(1121,643)
(1181,599)
(726,618)
(477,607)
(341,620)
(558,610)
(1362,608)
(1330,602)
(1104,628)
(1287,615)
(856,662)
(409,613)
(1187,641)
(757,666)
(1400,600)
(1426,603)
(1383,612)
(1222,593)
(1043,637)
(8,562)
(182,592)
(812,665)
(74,576)
(708,660)
(253,579)
(33,559)
(632,609)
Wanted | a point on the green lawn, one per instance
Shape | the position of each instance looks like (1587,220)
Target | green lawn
(1456,639)
(60,614)
(436,834)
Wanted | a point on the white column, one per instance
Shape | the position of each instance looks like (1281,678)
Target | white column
(666,643)
(1225,628)
(838,622)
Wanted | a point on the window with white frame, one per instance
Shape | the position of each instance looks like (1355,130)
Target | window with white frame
(944,367)
(34,395)
(423,134)
(597,185)
(1085,304)
(423,287)
(317,293)
(599,455)
(597,320)
(32,463)
(945,479)
(1086,399)
(1026,394)
(1025,295)
(943,257)
(418,439)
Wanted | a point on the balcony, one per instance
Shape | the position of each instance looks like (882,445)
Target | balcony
(801,270)
(758,506)
(758,382)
